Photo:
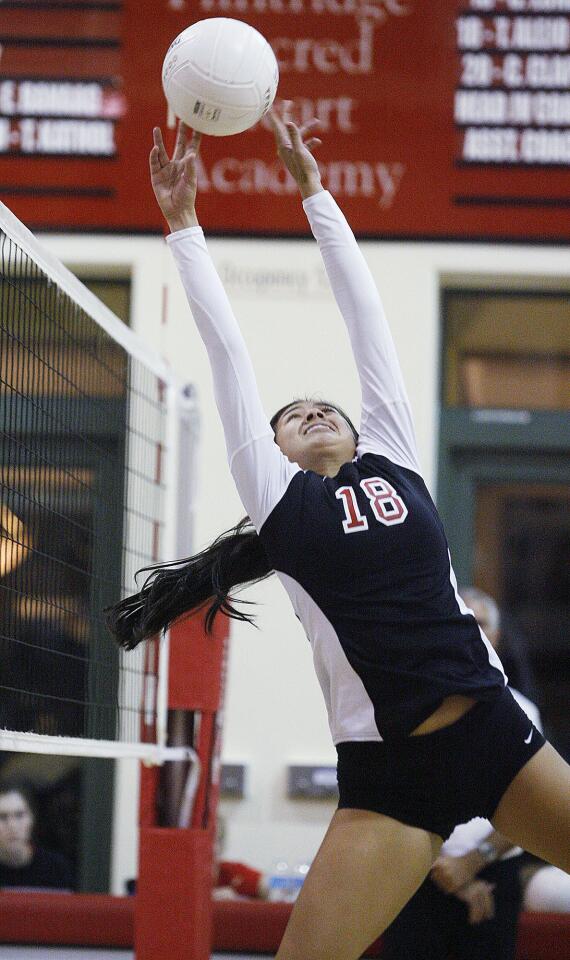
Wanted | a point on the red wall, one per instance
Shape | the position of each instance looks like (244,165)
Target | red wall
(446,119)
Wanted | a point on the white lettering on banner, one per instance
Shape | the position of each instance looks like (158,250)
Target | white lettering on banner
(514,124)
(485,145)
(66,99)
(58,118)
(546,146)
(334,113)
(513,67)
(545,71)
(7,97)
(51,98)
(477,107)
(539,6)
(250,176)
(528,33)
(378,10)
(470,33)
(27,131)
(389,177)
(513,33)
(477,70)
(352,179)
(362,179)
(4,135)
(344,178)
(551,109)
(530,146)
(302,54)
(535,70)
(93,138)
(547,6)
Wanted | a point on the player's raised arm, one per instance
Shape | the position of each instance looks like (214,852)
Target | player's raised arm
(386,423)
(259,469)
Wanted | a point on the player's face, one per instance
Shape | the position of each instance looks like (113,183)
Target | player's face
(16,820)
(308,432)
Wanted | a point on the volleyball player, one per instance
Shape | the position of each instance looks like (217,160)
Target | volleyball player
(426,732)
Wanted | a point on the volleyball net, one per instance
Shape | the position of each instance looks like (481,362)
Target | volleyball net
(92,466)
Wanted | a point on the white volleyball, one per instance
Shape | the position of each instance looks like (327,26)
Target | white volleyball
(220,76)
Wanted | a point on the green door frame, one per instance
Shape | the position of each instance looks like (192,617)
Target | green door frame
(493,445)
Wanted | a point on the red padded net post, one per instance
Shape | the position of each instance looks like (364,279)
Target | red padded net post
(173,913)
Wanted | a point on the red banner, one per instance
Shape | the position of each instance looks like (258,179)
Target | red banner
(447,120)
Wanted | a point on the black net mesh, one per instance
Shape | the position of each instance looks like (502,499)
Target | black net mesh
(82,426)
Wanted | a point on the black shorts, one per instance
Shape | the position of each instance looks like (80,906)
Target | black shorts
(437,780)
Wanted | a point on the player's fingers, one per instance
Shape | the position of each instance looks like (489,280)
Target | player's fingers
(280,131)
(276,122)
(159,144)
(282,139)
(295,135)
(195,141)
(154,161)
(181,141)
(307,128)
(189,167)
(312,143)
(284,151)
(186,134)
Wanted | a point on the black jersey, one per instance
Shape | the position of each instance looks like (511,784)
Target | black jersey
(363,555)
(47,870)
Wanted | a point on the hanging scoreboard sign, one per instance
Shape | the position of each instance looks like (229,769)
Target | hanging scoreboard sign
(447,120)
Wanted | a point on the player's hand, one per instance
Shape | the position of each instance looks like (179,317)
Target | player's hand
(478,896)
(452,873)
(294,147)
(175,179)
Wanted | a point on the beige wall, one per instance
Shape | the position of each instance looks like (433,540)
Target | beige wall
(274,711)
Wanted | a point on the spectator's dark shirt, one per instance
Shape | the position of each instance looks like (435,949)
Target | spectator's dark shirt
(47,869)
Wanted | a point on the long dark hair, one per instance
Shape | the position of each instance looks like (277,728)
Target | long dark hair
(235,559)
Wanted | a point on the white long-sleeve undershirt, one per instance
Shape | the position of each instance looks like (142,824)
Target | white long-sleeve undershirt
(261,472)
(386,425)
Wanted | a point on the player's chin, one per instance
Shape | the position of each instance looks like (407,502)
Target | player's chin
(321,437)
(318,442)
(320,445)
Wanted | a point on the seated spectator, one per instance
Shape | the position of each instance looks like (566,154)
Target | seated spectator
(23,863)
